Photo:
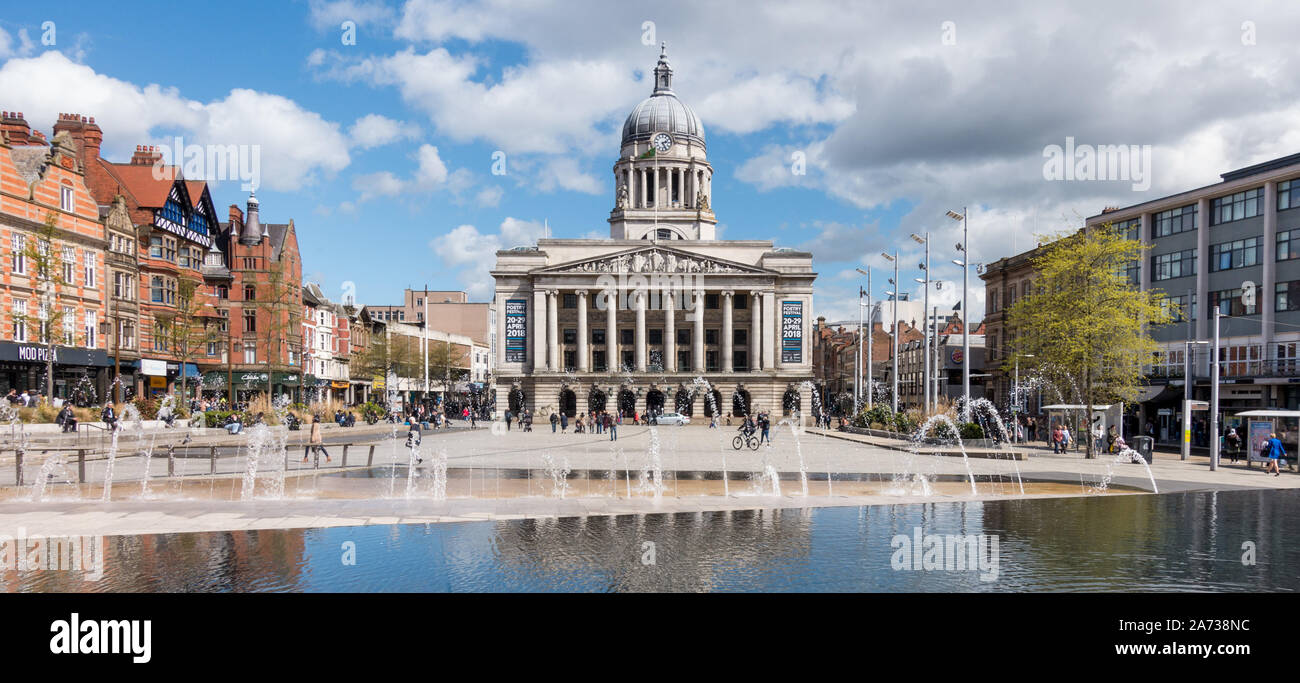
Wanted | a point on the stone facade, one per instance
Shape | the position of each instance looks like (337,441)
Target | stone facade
(648,319)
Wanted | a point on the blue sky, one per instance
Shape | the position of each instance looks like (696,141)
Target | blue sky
(381,151)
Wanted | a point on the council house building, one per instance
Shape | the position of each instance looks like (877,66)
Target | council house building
(662,316)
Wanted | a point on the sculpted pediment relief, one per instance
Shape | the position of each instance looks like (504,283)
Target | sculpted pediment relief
(653,260)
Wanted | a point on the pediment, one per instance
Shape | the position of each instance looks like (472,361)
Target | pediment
(655,259)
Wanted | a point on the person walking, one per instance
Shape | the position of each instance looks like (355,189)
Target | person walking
(1275,453)
(315,442)
(555,421)
(1233,440)
(764,425)
(564,422)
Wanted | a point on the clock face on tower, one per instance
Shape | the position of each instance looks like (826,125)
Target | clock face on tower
(662,142)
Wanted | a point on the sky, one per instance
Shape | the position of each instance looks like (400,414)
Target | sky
(408,141)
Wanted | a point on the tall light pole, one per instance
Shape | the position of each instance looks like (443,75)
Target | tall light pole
(894,332)
(857,361)
(965,313)
(925,311)
(870,324)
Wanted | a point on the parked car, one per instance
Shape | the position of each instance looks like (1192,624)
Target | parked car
(673,419)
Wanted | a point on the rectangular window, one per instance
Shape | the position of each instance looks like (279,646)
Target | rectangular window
(1183,311)
(1286,296)
(66,201)
(711,361)
(570,360)
(1174,221)
(570,301)
(1228,302)
(18,247)
(250,353)
(683,336)
(250,322)
(92,329)
(1236,254)
(212,351)
(88,268)
(126,332)
(684,360)
(625,336)
(710,337)
(1130,228)
(1235,207)
(656,337)
(69,324)
(598,361)
(598,336)
(739,337)
(19,316)
(155,246)
(1173,265)
(69,262)
(740,302)
(711,302)
(1288,244)
(629,363)
(570,336)
(1288,194)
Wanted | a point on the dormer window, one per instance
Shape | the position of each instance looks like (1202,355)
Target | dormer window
(66,198)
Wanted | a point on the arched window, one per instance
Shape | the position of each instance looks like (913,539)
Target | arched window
(665,234)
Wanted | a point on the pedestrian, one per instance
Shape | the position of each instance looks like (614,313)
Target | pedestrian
(315,442)
(1233,439)
(1275,452)
(555,421)
(507,420)
(612,426)
(109,417)
(764,425)
(564,422)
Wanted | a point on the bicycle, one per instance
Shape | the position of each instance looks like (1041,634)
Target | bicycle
(745,440)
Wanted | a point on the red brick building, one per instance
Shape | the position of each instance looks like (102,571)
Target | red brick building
(39,179)
(255,278)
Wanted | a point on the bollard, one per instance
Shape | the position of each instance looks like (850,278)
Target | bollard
(18,466)
(81,465)
(345,455)
(171,462)
(370,459)
(212,456)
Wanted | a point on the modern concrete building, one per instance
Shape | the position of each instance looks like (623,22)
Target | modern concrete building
(629,323)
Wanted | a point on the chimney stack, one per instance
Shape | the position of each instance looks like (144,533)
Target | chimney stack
(85,133)
(16,128)
(145,155)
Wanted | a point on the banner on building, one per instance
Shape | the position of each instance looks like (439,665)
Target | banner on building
(791,331)
(516,330)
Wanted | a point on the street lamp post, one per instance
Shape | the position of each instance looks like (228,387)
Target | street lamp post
(1214,396)
(894,331)
(925,311)
(869,324)
(965,311)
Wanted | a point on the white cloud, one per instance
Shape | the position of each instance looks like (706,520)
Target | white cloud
(430,175)
(377,130)
(489,196)
(466,250)
(24,46)
(297,146)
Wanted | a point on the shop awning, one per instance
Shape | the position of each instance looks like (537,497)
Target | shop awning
(288,379)
(1270,413)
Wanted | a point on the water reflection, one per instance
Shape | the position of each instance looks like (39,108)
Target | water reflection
(1185,542)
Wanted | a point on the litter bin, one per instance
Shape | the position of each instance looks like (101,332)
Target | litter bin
(1144,445)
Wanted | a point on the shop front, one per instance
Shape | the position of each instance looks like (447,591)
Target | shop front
(81,375)
(162,377)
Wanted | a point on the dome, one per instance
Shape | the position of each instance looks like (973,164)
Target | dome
(662,112)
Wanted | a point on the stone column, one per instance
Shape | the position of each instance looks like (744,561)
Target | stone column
(553,331)
(698,333)
(611,331)
(755,331)
(770,328)
(539,330)
(726,331)
(501,330)
(670,331)
(583,364)
(639,339)
(645,193)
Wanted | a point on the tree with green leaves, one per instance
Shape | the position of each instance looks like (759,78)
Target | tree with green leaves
(447,363)
(190,329)
(47,273)
(389,356)
(1084,327)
